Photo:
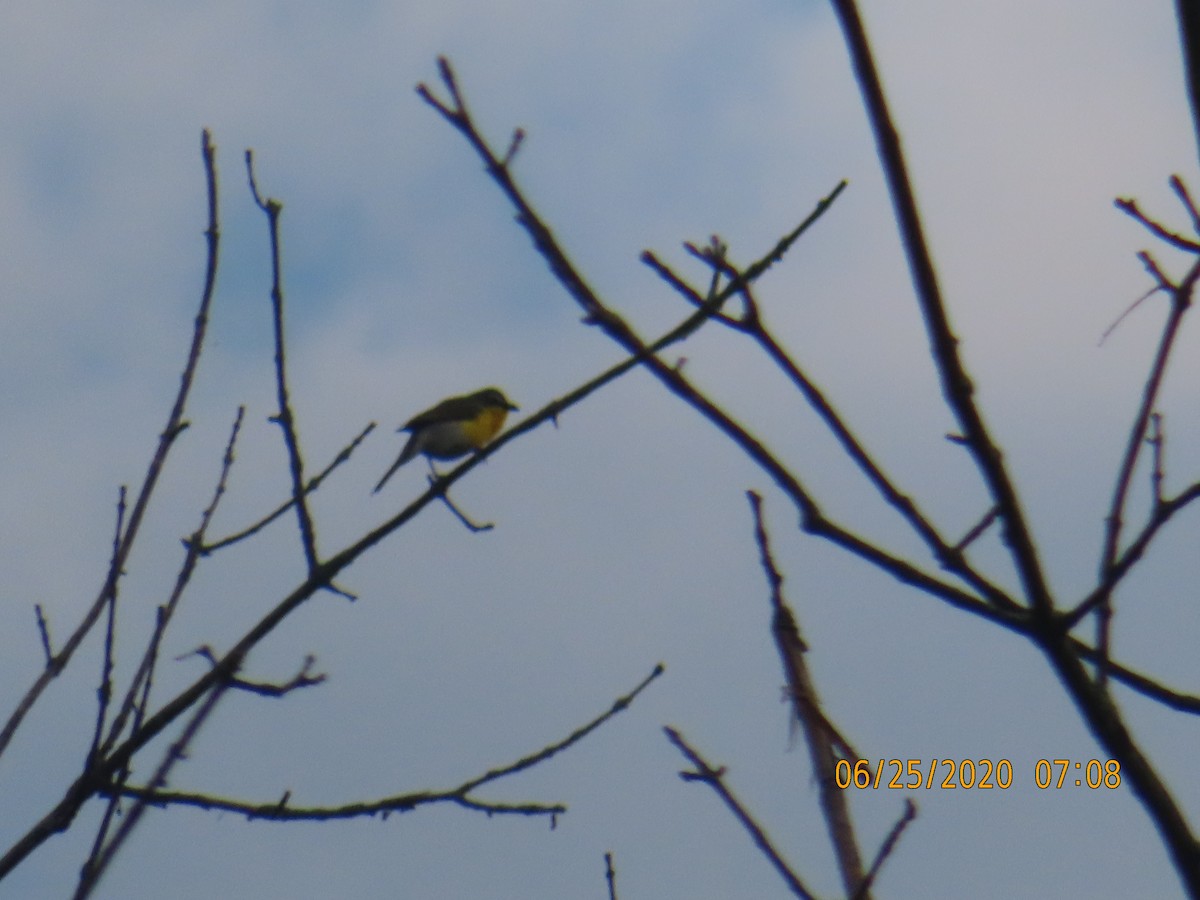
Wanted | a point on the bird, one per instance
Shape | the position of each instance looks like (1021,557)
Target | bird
(453,428)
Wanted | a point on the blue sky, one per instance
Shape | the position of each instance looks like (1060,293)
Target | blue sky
(623,536)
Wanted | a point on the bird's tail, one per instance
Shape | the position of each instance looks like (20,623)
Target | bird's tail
(409,451)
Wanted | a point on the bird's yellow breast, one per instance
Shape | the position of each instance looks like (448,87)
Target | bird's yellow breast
(485,426)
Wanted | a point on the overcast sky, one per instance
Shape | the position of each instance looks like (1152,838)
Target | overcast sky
(623,536)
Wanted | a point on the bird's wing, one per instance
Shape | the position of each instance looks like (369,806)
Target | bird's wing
(446,411)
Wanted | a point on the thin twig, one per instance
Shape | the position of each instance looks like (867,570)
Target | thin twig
(1162,513)
(1178,241)
(313,484)
(460,795)
(174,427)
(1181,298)
(1121,318)
(105,689)
(1185,198)
(302,679)
(92,873)
(44,633)
(889,844)
(714,778)
(137,698)
(285,418)
(950,557)
(980,527)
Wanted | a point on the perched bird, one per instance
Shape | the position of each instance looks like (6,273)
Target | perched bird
(453,428)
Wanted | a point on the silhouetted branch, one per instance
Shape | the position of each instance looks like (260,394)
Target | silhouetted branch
(285,417)
(1185,198)
(1130,207)
(956,384)
(1181,295)
(96,866)
(105,688)
(302,679)
(144,677)
(44,633)
(819,732)
(174,427)
(312,485)
(597,313)
(951,558)
(460,795)
(889,844)
(1189,34)
(714,778)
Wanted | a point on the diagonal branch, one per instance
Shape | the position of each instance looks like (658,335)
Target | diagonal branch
(822,737)
(951,557)
(714,778)
(174,427)
(956,384)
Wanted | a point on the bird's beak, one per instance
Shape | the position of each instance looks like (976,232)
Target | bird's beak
(513,407)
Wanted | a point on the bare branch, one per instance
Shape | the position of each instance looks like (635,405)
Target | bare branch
(105,689)
(144,677)
(1130,207)
(313,484)
(1181,301)
(714,778)
(889,844)
(1185,198)
(285,418)
(610,876)
(597,313)
(96,866)
(1125,562)
(956,384)
(44,632)
(302,679)
(1157,441)
(460,795)
(174,427)
(819,732)
(971,536)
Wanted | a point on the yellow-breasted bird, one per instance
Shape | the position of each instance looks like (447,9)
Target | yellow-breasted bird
(453,428)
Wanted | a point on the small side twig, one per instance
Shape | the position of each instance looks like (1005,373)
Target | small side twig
(889,844)
(313,484)
(971,536)
(1130,208)
(105,689)
(1185,198)
(302,679)
(473,527)
(715,779)
(461,795)
(44,632)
